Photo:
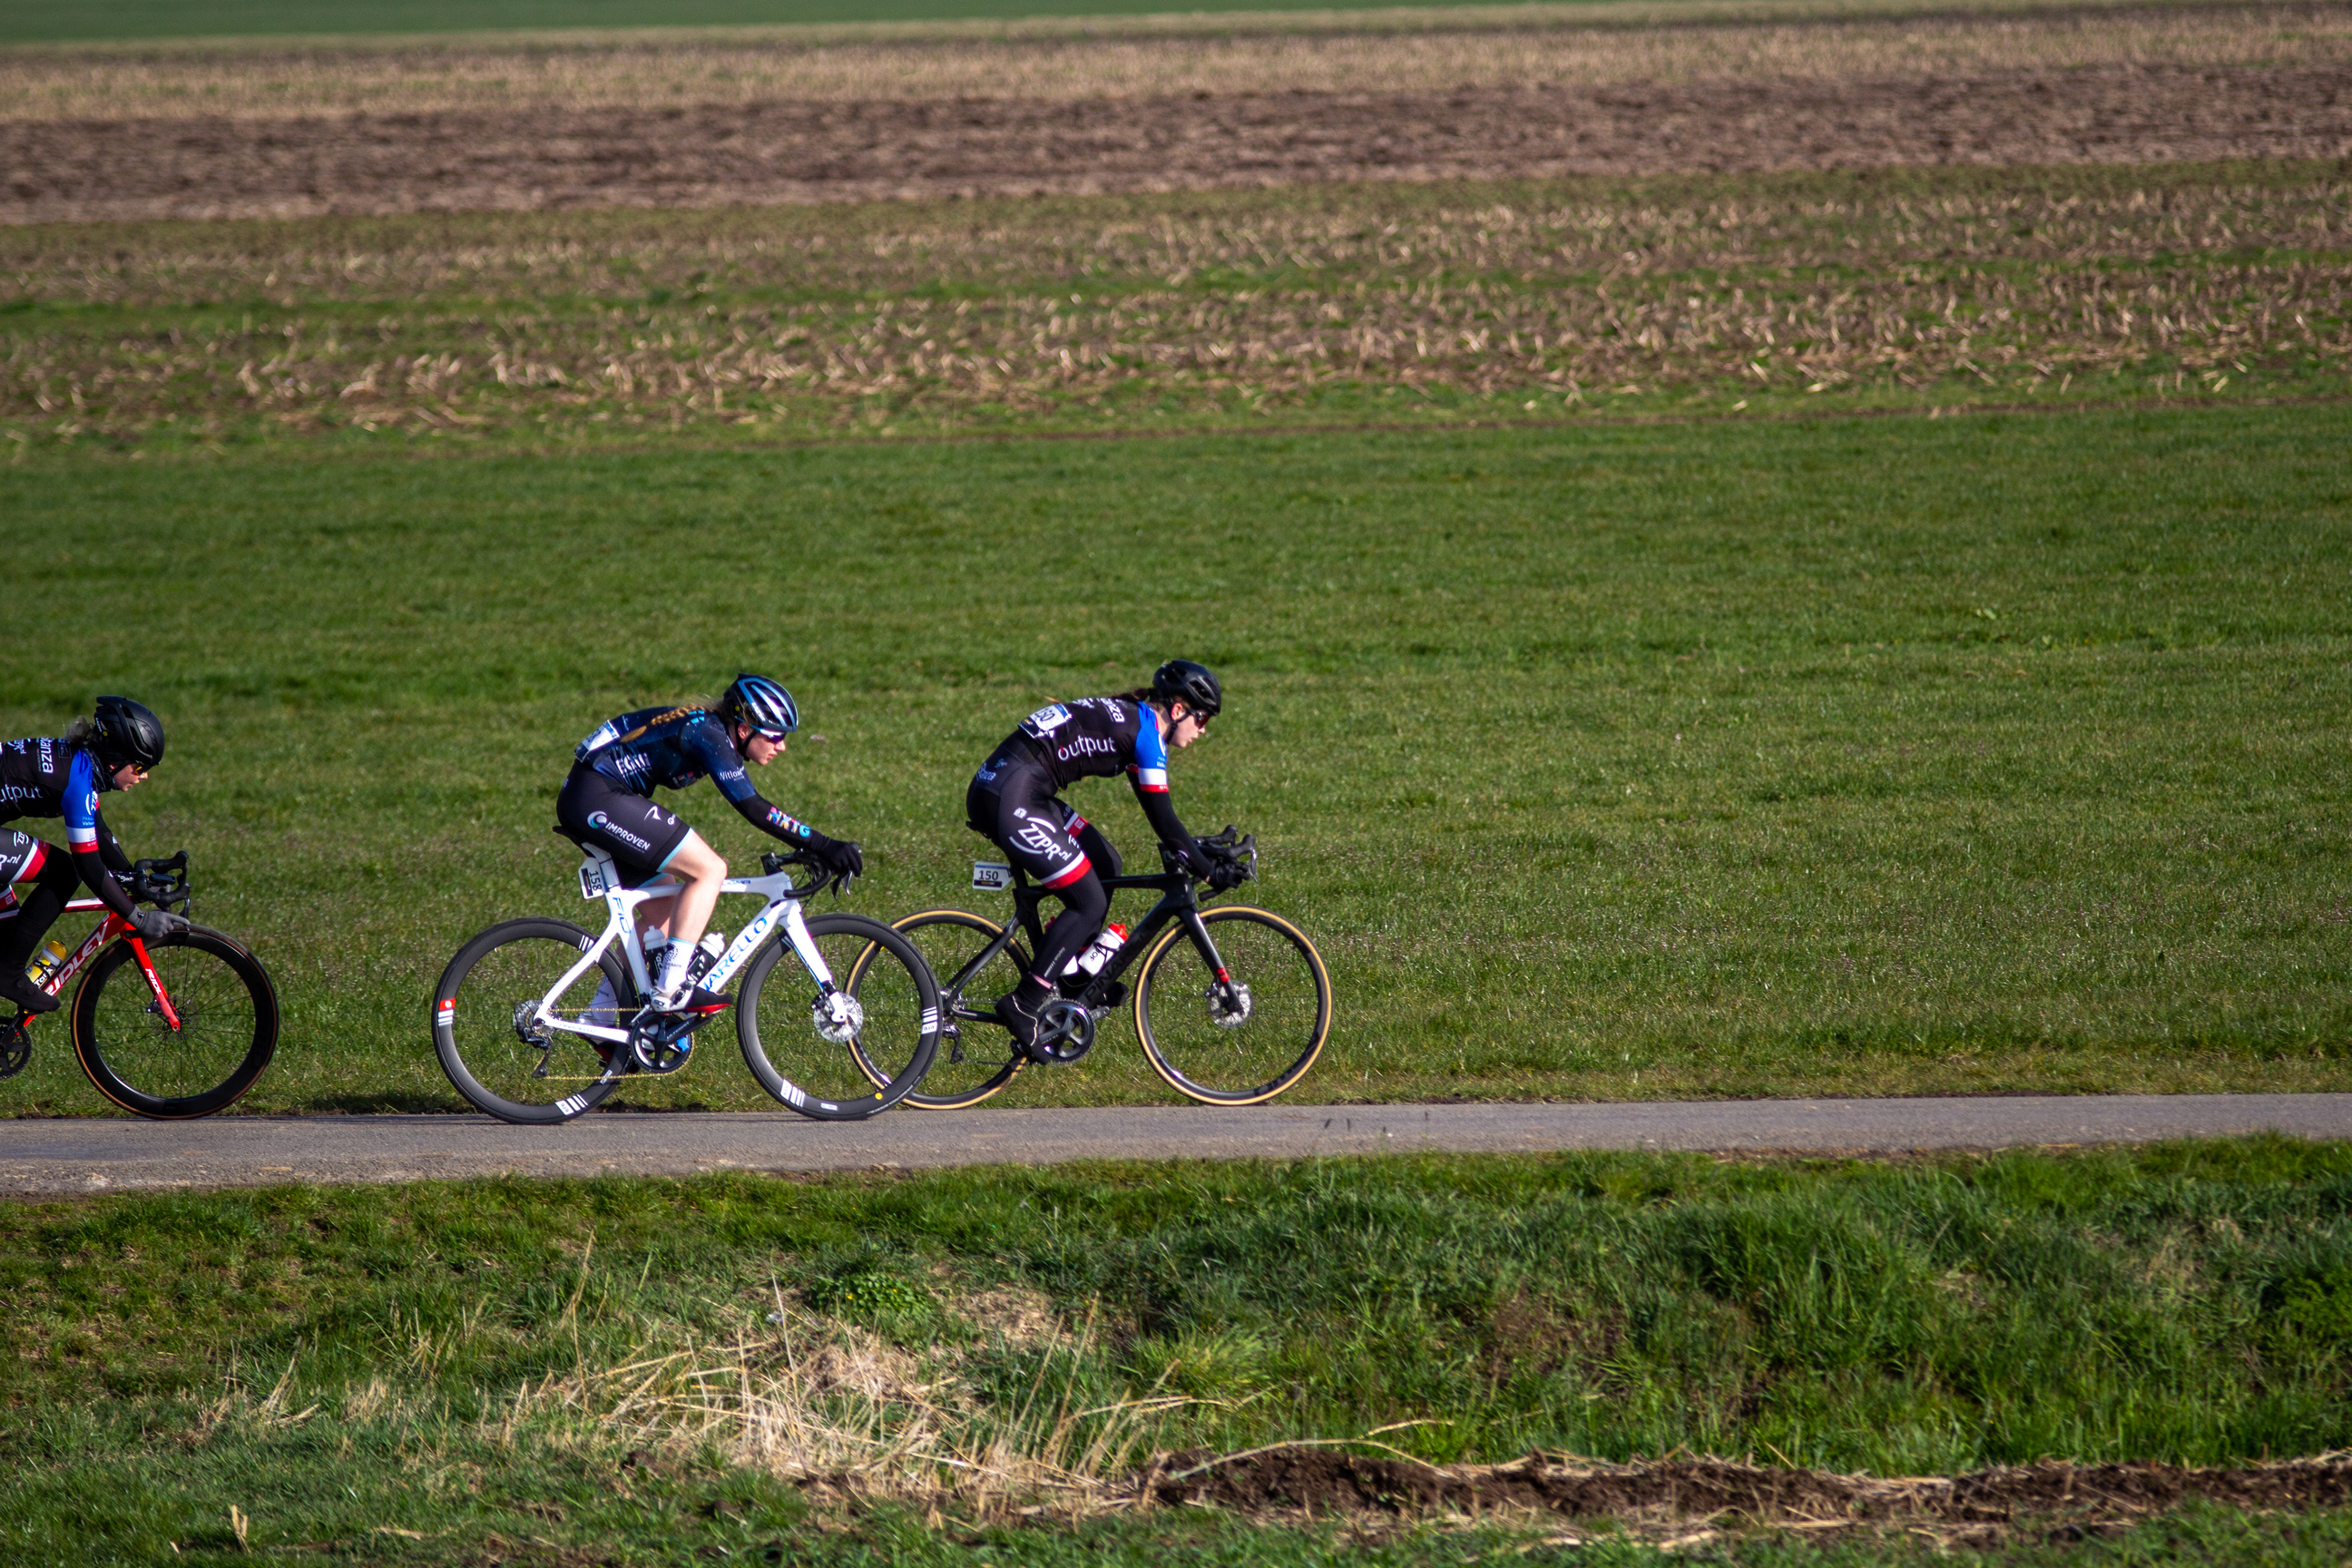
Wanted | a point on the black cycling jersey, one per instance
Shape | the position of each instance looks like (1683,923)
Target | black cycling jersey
(673,748)
(1096,737)
(1092,737)
(41,775)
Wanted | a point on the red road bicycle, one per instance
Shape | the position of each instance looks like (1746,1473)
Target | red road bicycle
(173,1029)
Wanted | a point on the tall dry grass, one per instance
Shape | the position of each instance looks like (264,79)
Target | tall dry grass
(278,82)
(812,1400)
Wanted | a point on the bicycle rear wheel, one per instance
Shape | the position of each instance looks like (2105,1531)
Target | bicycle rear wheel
(503,1062)
(226,1030)
(1254,1047)
(781,1022)
(976,1057)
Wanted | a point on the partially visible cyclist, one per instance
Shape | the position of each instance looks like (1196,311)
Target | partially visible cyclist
(607,802)
(63,776)
(1015,800)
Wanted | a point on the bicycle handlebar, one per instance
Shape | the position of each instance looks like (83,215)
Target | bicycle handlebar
(1228,846)
(771,862)
(161,883)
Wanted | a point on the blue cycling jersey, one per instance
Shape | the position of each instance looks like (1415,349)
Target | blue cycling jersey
(676,748)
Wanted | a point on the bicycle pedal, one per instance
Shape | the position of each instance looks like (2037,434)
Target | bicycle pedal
(16,1046)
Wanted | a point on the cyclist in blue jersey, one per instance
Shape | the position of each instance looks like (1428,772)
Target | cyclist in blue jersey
(1015,800)
(607,802)
(63,776)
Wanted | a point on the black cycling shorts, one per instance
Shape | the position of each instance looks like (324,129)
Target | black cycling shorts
(22,855)
(1012,801)
(640,835)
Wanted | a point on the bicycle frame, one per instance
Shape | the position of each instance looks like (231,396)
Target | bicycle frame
(598,880)
(1178,904)
(107,931)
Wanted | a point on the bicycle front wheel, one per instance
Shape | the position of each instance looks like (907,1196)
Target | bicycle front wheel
(893,1019)
(187,1044)
(976,1057)
(487,1032)
(1240,1046)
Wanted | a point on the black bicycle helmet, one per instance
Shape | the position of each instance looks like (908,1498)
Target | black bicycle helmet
(760,702)
(126,734)
(1181,680)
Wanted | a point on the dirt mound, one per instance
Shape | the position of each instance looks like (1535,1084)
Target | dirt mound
(2050,1497)
(807,151)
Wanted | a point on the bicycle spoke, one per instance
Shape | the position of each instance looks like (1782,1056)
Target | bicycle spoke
(1247,1035)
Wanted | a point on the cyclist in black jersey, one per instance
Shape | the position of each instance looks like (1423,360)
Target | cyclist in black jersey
(63,776)
(607,802)
(1015,800)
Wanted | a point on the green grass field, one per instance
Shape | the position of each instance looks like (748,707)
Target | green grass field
(641,1368)
(1850,756)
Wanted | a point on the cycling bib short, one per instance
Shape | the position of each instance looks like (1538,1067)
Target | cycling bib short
(1017,810)
(21,859)
(637,833)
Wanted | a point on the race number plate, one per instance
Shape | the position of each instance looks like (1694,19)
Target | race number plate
(990,878)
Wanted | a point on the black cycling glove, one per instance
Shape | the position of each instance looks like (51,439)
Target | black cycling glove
(156,925)
(839,856)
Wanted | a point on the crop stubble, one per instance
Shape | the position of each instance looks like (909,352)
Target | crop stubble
(1915,288)
(1581,294)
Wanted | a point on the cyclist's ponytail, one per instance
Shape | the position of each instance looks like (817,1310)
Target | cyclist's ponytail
(1141,694)
(79,732)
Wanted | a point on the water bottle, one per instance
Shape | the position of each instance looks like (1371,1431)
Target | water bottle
(1098,952)
(708,951)
(46,961)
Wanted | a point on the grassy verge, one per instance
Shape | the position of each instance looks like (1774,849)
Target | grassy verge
(1392,304)
(1850,756)
(648,1368)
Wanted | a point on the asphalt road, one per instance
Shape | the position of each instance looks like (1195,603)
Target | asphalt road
(71,1155)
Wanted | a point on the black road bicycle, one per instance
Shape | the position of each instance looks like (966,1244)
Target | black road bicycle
(171,1030)
(1231,1005)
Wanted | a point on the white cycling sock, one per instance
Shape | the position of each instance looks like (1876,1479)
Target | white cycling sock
(671,986)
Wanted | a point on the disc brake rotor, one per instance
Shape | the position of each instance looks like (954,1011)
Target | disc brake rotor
(1229,1005)
(838,1017)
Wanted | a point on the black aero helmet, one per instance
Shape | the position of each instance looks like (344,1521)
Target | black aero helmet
(126,734)
(760,702)
(1181,680)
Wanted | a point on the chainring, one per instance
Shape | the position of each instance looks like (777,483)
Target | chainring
(1066,1030)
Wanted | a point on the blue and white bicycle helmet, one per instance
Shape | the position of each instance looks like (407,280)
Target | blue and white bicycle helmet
(768,707)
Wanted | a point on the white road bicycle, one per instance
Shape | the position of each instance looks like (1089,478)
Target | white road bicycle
(521,1030)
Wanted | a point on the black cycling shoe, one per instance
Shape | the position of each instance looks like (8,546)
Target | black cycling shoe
(25,994)
(1024,1026)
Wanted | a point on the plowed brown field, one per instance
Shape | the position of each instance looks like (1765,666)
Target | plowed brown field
(508,129)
